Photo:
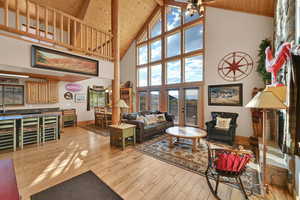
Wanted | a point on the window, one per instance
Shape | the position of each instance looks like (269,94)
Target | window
(173,72)
(155,50)
(97,98)
(143,55)
(11,95)
(193,69)
(173,45)
(189,18)
(193,38)
(173,17)
(155,75)
(154,95)
(142,77)
(143,37)
(173,104)
(155,29)
(142,101)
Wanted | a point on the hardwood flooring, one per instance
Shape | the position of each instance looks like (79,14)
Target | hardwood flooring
(131,174)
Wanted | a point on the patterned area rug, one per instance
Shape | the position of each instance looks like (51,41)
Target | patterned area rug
(95,129)
(182,156)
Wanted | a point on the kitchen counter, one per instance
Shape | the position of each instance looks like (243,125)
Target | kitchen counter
(28,111)
(10,117)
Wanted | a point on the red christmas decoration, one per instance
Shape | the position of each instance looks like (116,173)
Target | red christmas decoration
(274,64)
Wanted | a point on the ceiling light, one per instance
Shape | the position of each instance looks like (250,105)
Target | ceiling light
(196,6)
(14,75)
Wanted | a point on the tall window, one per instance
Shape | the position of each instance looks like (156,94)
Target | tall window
(169,56)
(154,99)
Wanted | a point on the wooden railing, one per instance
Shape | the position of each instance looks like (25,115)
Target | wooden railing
(53,27)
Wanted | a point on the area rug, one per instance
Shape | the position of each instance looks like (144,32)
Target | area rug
(181,155)
(86,186)
(96,129)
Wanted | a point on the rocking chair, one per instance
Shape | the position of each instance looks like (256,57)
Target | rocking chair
(226,163)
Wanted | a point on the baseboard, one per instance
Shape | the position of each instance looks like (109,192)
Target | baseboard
(83,123)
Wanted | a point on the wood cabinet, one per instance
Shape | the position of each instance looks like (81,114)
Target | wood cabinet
(42,92)
(127,95)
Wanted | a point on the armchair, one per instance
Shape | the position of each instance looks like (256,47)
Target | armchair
(223,135)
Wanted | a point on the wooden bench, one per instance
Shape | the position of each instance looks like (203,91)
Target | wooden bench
(8,181)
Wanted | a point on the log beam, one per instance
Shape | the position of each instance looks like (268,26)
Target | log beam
(116,56)
(160,2)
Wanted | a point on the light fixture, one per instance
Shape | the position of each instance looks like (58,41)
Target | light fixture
(196,6)
(14,75)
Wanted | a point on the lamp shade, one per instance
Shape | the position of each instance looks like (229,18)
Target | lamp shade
(266,100)
(122,104)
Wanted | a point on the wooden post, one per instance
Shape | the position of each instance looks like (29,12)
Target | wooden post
(27,16)
(116,56)
(37,10)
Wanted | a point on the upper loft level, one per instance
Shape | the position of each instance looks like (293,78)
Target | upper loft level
(37,23)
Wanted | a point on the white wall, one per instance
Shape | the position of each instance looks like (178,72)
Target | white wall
(15,55)
(225,32)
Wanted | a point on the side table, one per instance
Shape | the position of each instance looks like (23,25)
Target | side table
(119,134)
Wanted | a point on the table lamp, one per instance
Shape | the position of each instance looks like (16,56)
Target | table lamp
(265,100)
(123,106)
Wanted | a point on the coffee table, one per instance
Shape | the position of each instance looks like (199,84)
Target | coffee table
(194,134)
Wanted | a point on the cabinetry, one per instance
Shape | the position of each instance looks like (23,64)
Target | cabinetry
(42,92)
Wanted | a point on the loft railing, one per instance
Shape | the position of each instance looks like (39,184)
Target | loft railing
(52,27)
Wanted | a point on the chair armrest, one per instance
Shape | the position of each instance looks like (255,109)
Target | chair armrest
(210,124)
(169,117)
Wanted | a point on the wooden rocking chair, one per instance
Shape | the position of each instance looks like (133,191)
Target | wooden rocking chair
(219,164)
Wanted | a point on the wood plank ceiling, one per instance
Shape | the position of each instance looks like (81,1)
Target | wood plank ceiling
(134,13)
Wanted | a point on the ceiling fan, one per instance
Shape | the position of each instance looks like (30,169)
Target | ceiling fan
(196,6)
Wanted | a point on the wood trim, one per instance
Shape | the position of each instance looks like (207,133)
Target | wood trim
(84,123)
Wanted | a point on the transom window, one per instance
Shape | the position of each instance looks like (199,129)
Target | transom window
(169,53)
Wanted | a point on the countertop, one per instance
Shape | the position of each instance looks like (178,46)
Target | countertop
(10,117)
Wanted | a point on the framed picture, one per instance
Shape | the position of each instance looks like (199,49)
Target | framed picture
(80,98)
(225,95)
(60,61)
(11,95)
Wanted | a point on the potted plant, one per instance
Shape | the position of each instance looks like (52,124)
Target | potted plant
(261,67)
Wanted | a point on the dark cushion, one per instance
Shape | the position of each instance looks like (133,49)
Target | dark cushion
(130,116)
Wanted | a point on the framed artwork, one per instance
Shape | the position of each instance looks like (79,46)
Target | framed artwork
(12,95)
(68,96)
(44,58)
(80,98)
(225,95)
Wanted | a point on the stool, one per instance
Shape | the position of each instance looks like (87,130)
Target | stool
(30,131)
(49,128)
(8,134)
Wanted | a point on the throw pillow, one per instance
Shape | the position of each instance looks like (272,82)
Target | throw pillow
(223,123)
(160,117)
(151,119)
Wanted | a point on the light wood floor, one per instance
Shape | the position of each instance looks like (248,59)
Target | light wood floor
(131,174)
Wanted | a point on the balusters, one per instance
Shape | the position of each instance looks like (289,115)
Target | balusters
(37,10)
(75,34)
(54,25)
(69,31)
(61,28)
(46,23)
(81,36)
(27,16)
(17,15)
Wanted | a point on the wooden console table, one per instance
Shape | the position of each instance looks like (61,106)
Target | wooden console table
(119,134)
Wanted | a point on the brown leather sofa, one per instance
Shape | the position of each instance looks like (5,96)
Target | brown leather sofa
(143,131)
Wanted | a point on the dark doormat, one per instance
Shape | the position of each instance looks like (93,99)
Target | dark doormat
(86,186)
(96,129)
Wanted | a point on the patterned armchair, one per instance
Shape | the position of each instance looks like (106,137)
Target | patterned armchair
(223,135)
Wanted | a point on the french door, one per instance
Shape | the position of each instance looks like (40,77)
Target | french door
(184,104)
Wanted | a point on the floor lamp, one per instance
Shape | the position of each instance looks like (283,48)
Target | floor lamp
(265,100)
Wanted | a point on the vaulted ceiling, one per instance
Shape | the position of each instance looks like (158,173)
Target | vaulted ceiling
(134,13)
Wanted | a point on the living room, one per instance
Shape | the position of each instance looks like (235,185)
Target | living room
(152,99)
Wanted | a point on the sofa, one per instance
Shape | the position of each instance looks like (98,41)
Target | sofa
(144,131)
(222,135)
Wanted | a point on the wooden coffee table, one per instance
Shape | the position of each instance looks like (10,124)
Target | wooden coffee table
(195,134)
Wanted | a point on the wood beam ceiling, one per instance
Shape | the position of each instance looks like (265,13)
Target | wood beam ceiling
(160,2)
(84,7)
